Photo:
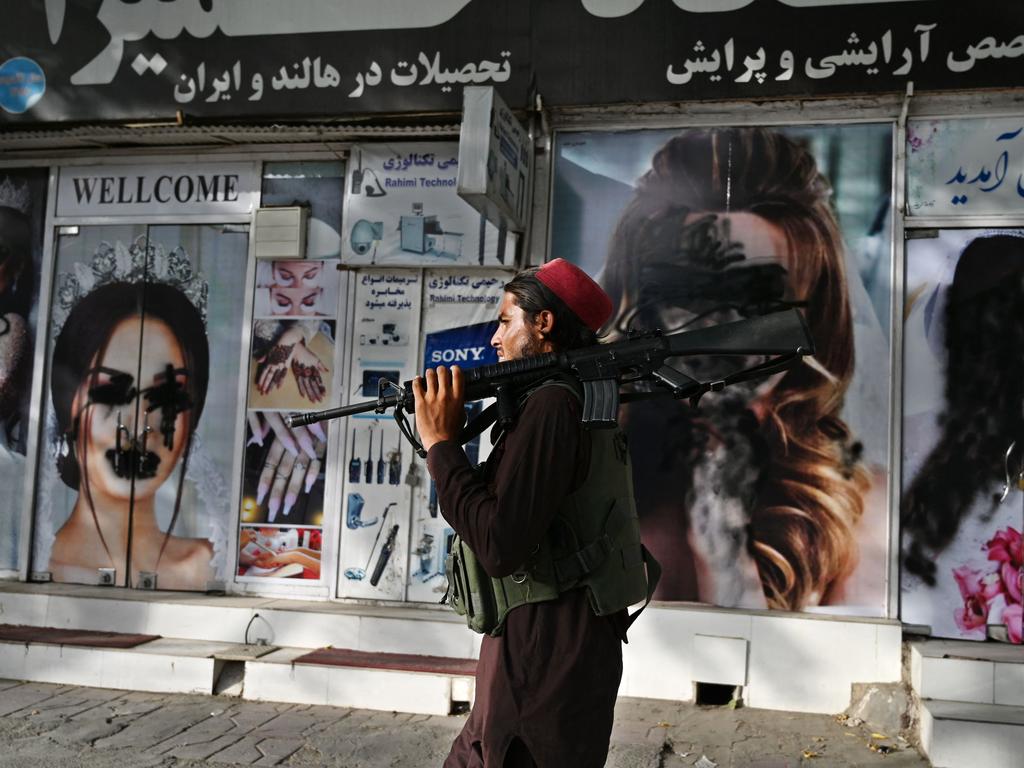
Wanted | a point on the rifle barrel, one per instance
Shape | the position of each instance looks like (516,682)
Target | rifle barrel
(778,333)
(303,419)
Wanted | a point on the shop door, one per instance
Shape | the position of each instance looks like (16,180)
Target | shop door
(141,405)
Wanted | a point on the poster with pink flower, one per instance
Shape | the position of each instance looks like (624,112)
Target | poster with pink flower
(962,506)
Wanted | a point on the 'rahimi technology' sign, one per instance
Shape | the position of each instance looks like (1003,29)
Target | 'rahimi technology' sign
(494,159)
(132,190)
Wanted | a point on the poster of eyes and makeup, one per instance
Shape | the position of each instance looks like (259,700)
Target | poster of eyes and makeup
(143,354)
(402,210)
(292,369)
(380,473)
(772,494)
(459,319)
(962,506)
(22,214)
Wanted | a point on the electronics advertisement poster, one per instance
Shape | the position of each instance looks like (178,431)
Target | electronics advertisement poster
(402,210)
(962,505)
(772,494)
(459,319)
(135,474)
(22,217)
(379,471)
(965,167)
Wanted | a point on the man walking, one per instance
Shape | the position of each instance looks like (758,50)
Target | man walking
(550,668)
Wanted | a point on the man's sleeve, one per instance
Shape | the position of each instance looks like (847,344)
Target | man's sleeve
(539,469)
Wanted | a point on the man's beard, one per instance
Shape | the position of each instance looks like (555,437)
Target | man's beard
(529,348)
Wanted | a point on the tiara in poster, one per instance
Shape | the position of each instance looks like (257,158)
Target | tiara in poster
(14,195)
(141,261)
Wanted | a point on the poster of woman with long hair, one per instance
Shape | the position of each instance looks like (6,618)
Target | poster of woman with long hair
(22,212)
(962,509)
(772,493)
(142,397)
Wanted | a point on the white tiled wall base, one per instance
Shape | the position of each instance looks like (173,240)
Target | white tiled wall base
(794,663)
(785,661)
(275,678)
(153,671)
(959,735)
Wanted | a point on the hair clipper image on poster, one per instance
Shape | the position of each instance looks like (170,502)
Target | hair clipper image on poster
(296,289)
(962,509)
(284,471)
(292,363)
(772,492)
(22,209)
(279,553)
(139,398)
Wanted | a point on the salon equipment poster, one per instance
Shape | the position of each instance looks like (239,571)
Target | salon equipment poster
(380,473)
(460,316)
(402,209)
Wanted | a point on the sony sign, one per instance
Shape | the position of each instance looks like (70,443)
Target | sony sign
(123,190)
(469,346)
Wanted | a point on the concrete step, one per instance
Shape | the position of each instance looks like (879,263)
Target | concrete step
(164,665)
(281,676)
(968,672)
(261,673)
(956,734)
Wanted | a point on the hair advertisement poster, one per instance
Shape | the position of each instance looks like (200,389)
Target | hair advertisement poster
(773,493)
(962,507)
(22,216)
(141,401)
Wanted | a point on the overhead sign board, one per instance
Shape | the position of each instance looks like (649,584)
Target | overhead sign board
(494,159)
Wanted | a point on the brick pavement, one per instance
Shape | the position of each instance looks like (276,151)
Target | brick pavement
(73,727)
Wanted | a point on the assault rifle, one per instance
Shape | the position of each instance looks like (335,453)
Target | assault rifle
(782,338)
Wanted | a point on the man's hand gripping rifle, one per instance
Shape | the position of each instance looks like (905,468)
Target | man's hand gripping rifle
(781,338)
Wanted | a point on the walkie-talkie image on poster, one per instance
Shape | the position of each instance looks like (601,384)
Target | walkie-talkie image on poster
(381,469)
(460,317)
(773,493)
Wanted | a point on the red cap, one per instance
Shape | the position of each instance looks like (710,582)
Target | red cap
(577,291)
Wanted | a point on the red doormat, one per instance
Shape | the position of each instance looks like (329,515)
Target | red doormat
(404,662)
(22,633)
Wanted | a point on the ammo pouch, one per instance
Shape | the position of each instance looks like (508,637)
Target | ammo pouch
(593,543)
(485,601)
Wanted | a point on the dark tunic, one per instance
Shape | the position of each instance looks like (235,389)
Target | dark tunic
(551,678)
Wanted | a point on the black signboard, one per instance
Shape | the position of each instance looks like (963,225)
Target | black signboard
(88,60)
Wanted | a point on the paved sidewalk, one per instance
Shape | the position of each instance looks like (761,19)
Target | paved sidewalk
(71,727)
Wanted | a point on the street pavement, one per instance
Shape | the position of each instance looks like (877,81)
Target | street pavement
(61,726)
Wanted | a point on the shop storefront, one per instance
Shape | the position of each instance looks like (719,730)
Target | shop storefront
(204,233)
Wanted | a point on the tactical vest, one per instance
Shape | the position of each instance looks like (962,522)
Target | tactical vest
(593,543)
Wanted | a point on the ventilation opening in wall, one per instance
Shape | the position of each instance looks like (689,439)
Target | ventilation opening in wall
(717,695)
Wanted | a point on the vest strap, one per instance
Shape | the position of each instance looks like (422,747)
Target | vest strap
(653,577)
(571,569)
